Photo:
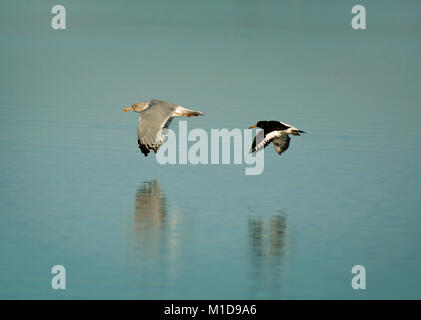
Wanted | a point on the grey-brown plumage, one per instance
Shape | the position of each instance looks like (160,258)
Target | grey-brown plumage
(154,118)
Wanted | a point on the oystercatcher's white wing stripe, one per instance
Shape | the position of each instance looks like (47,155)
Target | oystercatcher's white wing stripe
(263,142)
(286,124)
(290,129)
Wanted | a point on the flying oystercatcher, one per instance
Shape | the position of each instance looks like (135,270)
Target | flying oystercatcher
(276,132)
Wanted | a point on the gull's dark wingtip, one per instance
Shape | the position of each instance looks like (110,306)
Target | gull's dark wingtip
(143,148)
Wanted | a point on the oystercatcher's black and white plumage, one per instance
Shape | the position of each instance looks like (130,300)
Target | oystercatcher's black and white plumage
(276,132)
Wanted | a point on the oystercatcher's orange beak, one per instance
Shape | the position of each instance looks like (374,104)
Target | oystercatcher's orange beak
(128,109)
(253,126)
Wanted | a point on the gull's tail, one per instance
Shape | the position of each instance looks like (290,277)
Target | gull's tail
(181,111)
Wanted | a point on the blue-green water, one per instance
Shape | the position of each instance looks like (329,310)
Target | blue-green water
(76,191)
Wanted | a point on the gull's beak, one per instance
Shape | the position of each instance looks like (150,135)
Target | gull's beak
(253,126)
(128,109)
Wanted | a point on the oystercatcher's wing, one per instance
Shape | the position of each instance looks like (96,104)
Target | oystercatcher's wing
(261,140)
(281,143)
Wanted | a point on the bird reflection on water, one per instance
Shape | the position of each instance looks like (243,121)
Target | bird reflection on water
(150,207)
(156,233)
(267,248)
(164,235)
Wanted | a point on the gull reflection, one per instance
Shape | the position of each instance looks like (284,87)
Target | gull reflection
(150,207)
(267,246)
(156,233)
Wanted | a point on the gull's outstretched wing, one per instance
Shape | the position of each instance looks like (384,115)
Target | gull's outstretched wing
(153,124)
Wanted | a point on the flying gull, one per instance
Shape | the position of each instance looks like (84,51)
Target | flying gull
(154,118)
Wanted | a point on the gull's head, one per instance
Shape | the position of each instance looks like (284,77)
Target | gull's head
(137,107)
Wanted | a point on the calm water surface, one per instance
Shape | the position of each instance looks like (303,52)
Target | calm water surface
(75,190)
